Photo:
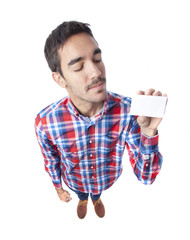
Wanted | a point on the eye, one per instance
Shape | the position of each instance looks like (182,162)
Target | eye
(97,60)
(77,70)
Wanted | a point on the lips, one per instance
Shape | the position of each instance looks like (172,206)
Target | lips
(97,85)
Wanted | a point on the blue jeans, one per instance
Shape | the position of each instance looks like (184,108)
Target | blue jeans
(84,196)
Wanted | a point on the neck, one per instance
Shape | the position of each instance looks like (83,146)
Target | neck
(88,109)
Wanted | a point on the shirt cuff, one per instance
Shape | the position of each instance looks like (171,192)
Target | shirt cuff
(148,145)
(57,185)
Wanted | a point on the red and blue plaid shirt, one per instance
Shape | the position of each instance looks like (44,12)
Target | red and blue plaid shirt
(88,154)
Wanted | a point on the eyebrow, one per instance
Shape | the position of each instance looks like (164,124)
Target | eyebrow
(97,50)
(75,60)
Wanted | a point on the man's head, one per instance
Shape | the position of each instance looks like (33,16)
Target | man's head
(75,59)
(58,38)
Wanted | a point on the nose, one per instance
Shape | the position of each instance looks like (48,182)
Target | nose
(94,71)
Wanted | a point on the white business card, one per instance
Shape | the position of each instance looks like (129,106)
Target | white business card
(149,106)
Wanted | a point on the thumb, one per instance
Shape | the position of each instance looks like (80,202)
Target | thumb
(143,121)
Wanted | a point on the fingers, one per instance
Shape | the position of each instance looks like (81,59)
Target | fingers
(151,92)
(67,197)
(158,93)
(140,92)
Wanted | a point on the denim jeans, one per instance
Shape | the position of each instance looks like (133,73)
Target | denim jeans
(84,196)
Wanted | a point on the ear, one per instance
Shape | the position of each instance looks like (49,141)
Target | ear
(59,79)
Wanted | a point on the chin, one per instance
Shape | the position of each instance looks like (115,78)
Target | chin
(99,96)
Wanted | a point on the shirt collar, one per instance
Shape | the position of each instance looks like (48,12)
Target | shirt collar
(72,108)
(110,101)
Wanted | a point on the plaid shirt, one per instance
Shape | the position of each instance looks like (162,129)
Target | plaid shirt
(88,154)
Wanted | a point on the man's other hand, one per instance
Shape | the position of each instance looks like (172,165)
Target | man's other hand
(63,195)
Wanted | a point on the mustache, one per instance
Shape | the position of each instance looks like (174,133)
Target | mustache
(95,82)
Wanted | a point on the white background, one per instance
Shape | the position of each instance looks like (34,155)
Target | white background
(145,43)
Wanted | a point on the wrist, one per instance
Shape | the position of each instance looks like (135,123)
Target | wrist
(149,132)
(59,190)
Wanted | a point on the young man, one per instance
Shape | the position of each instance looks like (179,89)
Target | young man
(83,136)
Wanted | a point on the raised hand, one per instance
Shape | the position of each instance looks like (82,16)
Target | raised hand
(149,125)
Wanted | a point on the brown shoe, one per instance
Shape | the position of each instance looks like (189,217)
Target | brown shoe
(99,208)
(82,208)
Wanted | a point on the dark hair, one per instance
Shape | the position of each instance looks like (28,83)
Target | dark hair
(57,39)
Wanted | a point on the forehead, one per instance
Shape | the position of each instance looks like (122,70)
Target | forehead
(79,45)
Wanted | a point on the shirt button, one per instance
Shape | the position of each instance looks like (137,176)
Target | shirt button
(146,156)
(90,155)
(147,164)
(91,166)
(92,177)
(90,141)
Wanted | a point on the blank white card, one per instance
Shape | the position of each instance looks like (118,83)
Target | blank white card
(149,106)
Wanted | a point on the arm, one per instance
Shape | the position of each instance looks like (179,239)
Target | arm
(51,156)
(142,145)
(51,160)
(143,152)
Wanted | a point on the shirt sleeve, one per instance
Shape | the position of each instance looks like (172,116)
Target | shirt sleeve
(144,156)
(50,154)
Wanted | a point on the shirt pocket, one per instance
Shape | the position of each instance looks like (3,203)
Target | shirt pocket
(108,148)
(70,154)
(111,139)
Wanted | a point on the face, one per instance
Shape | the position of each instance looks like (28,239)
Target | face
(83,69)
